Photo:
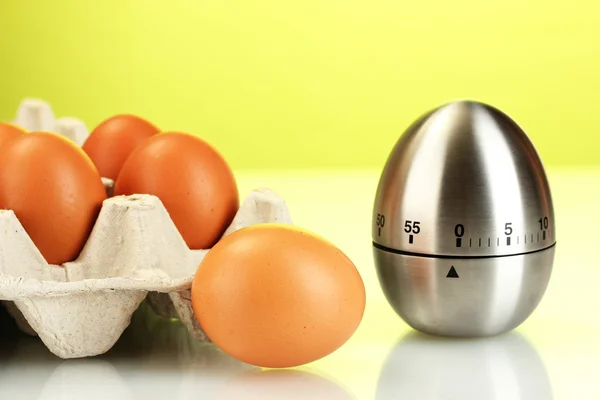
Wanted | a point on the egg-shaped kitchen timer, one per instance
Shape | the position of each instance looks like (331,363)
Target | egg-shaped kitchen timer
(463,223)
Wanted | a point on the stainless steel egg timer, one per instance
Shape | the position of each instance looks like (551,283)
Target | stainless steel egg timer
(463,223)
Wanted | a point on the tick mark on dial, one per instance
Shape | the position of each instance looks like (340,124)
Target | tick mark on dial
(479,242)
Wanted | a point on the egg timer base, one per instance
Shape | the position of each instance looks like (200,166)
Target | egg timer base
(464,297)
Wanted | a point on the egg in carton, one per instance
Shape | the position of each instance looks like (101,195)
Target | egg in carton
(134,252)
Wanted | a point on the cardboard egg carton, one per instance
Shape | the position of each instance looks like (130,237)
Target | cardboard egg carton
(134,252)
(36,115)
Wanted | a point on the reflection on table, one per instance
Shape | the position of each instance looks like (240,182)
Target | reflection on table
(154,357)
(430,368)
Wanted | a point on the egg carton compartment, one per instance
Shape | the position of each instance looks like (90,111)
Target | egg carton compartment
(37,115)
(134,252)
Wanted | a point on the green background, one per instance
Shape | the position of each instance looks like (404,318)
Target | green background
(313,83)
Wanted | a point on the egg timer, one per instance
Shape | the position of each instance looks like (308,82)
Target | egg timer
(463,223)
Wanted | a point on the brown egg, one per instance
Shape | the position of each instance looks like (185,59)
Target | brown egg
(9,131)
(192,180)
(54,190)
(111,142)
(275,295)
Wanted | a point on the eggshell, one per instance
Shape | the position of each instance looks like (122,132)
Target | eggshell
(9,131)
(276,295)
(111,142)
(54,190)
(192,180)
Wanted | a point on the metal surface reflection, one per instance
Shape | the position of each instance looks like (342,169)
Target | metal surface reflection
(430,368)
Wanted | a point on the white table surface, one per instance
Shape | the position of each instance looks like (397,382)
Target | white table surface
(555,354)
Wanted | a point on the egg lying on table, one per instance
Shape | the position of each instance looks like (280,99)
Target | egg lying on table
(193,181)
(54,190)
(113,140)
(277,296)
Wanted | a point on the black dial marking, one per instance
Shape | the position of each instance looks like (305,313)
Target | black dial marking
(380,223)
(452,273)
(451,257)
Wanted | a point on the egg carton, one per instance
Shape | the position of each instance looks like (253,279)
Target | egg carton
(36,115)
(134,252)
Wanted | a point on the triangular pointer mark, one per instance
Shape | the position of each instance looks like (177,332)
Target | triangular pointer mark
(452,273)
